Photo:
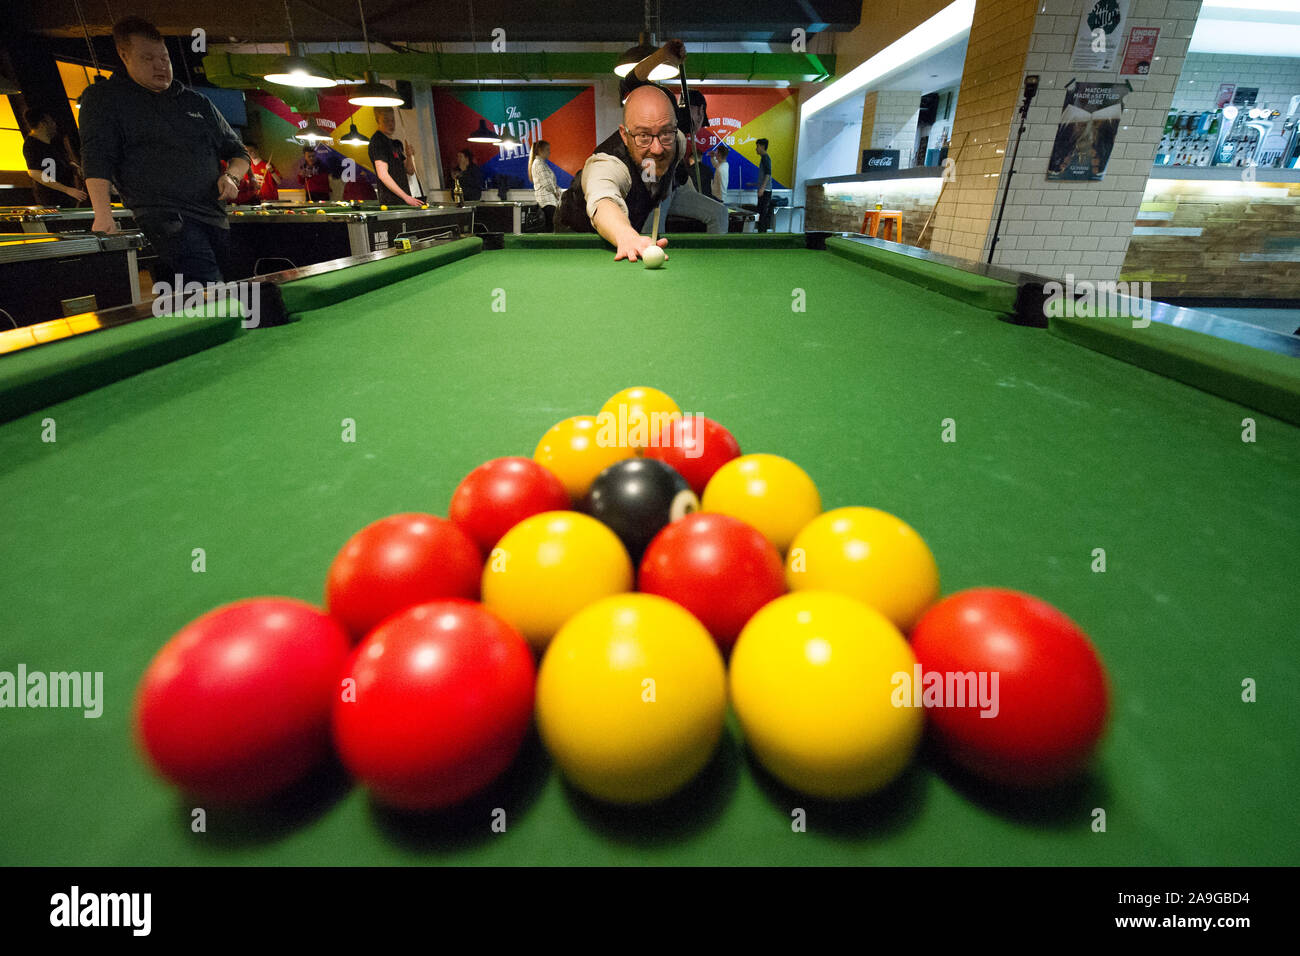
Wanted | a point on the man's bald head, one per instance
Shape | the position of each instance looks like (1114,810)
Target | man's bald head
(648,106)
(649,112)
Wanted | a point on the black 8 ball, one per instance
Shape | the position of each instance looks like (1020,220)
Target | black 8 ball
(638,497)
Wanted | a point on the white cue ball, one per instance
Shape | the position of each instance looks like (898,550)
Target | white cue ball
(653,257)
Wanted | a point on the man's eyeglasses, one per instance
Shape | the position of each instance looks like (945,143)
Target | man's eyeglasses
(666,138)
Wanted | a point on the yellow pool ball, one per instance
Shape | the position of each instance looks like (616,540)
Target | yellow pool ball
(577,451)
(648,413)
(812,684)
(550,566)
(631,698)
(771,493)
(320,212)
(383,207)
(870,555)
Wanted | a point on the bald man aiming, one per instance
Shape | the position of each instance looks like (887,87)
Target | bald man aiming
(627,176)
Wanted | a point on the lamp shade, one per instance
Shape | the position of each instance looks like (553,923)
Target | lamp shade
(374,93)
(484,134)
(98,79)
(634,56)
(354,137)
(298,71)
(313,133)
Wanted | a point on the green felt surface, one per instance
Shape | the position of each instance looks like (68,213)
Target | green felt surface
(331,288)
(1060,450)
(979,291)
(36,377)
(1264,380)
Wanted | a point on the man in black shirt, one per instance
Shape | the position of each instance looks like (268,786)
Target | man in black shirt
(469,175)
(764,186)
(162,145)
(392,159)
(52,172)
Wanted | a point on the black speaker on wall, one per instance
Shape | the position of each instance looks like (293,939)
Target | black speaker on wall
(406,93)
(929,109)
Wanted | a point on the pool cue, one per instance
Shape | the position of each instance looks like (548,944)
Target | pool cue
(942,186)
(654,235)
(686,100)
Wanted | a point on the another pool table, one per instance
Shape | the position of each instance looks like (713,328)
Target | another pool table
(46,275)
(849,362)
(59,219)
(266,239)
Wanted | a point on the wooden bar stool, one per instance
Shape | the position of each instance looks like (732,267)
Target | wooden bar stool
(891,219)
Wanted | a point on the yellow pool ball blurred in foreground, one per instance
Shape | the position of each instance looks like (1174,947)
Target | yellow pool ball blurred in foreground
(572,449)
(769,492)
(550,566)
(631,698)
(812,684)
(647,412)
(870,555)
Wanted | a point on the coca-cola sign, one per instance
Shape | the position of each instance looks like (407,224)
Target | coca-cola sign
(878,159)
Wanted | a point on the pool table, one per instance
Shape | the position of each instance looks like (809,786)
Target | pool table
(46,275)
(177,434)
(270,238)
(59,219)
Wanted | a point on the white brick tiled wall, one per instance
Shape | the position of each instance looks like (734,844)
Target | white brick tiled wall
(1057,210)
(1277,77)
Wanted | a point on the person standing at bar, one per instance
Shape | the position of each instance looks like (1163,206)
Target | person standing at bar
(162,144)
(469,175)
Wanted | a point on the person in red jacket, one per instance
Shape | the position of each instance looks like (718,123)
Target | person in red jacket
(314,176)
(264,174)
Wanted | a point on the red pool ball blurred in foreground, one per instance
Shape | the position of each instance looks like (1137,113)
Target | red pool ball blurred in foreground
(696,447)
(717,567)
(236,707)
(499,494)
(1051,702)
(443,697)
(398,562)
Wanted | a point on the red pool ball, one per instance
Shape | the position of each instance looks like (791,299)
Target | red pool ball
(696,447)
(396,563)
(236,707)
(499,494)
(443,699)
(717,567)
(1052,698)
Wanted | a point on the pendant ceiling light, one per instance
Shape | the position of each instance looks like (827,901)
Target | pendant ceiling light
(93,58)
(313,133)
(645,47)
(484,133)
(294,70)
(354,137)
(372,92)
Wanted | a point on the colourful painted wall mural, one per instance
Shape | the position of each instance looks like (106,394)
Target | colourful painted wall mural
(564,116)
